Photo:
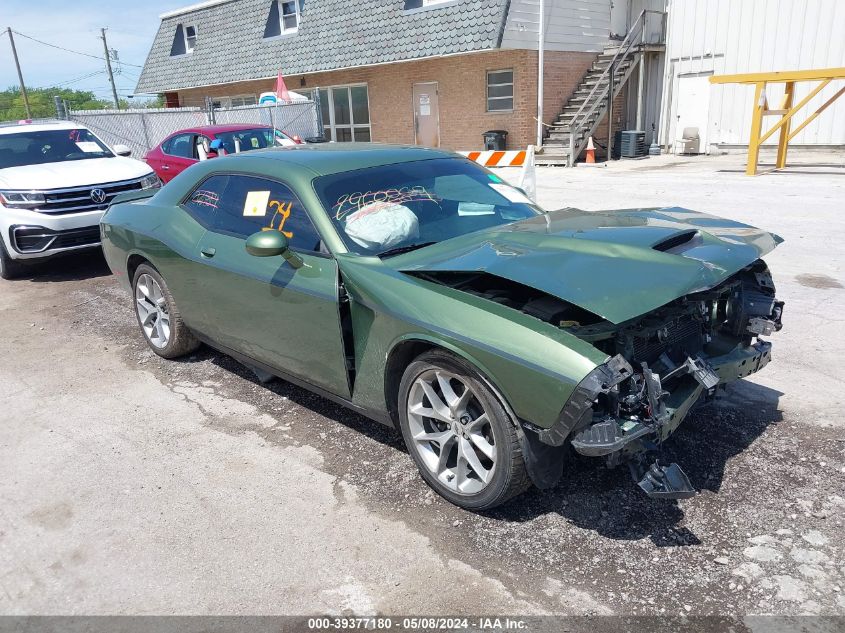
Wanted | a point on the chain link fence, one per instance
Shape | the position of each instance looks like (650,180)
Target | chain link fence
(296,119)
(141,130)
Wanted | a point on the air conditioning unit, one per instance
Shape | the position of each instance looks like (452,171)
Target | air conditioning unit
(630,144)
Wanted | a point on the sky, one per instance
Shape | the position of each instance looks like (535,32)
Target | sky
(75,25)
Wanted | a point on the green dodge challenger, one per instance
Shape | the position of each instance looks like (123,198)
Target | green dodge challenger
(424,292)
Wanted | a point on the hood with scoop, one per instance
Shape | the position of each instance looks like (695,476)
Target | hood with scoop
(616,264)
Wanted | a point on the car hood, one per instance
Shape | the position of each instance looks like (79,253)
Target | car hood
(72,173)
(616,264)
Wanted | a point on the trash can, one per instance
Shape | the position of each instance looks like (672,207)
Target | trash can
(495,139)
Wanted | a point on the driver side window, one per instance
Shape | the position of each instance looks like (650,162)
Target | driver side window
(244,205)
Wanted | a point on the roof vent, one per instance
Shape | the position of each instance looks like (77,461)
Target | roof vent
(673,243)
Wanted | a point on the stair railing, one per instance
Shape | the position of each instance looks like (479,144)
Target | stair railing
(634,38)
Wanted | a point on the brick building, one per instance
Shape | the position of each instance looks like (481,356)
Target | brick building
(431,72)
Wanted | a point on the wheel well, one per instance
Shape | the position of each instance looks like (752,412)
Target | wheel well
(132,265)
(400,357)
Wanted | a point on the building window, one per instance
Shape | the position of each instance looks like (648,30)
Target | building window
(225,103)
(499,90)
(420,4)
(190,38)
(290,15)
(345,111)
(244,100)
(284,18)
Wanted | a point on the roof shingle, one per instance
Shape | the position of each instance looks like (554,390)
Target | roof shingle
(332,34)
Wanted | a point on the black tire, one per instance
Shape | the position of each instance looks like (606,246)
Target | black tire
(509,476)
(181,340)
(9,268)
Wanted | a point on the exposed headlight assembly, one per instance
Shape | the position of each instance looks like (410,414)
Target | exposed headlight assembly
(151,182)
(22,198)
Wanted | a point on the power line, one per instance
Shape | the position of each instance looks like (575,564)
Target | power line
(68,50)
(70,81)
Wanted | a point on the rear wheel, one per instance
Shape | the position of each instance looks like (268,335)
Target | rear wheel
(9,268)
(158,315)
(464,443)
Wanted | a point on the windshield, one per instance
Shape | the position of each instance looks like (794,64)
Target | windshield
(259,138)
(49,146)
(382,210)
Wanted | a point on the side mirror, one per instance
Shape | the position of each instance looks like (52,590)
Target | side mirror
(271,244)
(122,150)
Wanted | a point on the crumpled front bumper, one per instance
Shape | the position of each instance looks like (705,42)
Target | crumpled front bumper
(738,364)
(577,414)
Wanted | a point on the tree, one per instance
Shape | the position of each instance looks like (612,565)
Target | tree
(41,102)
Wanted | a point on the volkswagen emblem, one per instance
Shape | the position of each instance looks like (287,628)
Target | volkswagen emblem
(98,196)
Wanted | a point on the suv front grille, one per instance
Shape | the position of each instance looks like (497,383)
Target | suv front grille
(37,239)
(79,200)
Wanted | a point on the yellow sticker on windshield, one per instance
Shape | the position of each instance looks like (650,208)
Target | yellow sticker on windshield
(256,204)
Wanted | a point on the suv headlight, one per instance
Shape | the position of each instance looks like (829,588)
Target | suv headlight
(150,182)
(22,198)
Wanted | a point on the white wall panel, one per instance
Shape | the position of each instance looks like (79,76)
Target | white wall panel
(743,36)
(571,25)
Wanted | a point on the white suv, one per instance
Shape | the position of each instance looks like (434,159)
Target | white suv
(56,181)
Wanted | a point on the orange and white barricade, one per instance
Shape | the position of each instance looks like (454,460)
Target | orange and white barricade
(512,158)
(497,158)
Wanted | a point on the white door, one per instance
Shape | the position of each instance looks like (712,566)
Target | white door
(426,115)
(693,108)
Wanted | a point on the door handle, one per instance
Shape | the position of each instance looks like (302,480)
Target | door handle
(208,252)
(165,166)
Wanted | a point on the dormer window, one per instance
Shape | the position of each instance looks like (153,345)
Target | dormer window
(290,16)
(184,40)
(190,38)
(424,4)
(283,18)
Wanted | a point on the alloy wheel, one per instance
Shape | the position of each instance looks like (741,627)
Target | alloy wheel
(451,431)
(151,307)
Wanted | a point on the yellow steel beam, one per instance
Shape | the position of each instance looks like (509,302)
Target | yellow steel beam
(756,127)
(780,76)
(821,109)
(787,110)
(790,111)
(783,141)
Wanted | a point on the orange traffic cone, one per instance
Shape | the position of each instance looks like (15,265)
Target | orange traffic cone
(591,151)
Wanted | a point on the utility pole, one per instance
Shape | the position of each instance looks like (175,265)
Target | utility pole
(20,74)
(108,67)
(540,50)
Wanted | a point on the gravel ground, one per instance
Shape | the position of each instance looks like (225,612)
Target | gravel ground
(133,485)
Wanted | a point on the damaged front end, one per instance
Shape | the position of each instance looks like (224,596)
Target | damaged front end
(661,364)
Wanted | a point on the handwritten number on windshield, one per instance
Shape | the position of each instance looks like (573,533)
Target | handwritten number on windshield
(283,213)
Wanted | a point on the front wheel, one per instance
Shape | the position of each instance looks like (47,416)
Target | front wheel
(464,443)
(158,315)
(9,268)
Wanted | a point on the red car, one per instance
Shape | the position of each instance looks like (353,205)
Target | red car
(182,149)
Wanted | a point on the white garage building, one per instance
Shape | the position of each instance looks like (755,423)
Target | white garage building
(707,37)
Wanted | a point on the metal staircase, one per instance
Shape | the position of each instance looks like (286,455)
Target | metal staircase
(587,106)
